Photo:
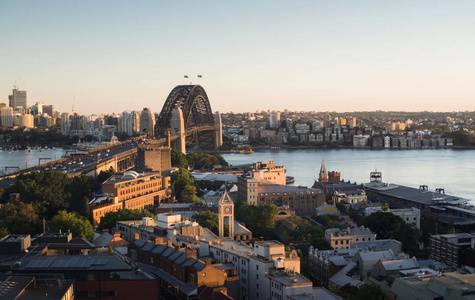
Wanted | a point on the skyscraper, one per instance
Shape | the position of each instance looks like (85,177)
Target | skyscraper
(65,123)
(18,98)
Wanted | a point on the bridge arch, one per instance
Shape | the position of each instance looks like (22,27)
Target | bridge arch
(193,101)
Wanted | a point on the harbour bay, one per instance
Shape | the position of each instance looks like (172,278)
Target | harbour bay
(452,170)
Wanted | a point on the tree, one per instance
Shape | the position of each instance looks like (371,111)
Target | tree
(189,195)
(389,226)
(207,219)
(178,159)
(258,219)
(19,217)
(79,225)
(179,180)
(104,175)
(109,220)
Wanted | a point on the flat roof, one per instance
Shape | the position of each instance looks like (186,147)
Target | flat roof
(289,279)
(120,178)
(412,194)
(277,188)
(73,262)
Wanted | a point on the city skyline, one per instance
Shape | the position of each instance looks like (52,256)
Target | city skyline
(310,55)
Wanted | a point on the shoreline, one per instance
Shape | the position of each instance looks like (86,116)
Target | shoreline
(272,148)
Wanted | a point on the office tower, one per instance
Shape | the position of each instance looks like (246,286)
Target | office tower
(135,122)
(18,98)
(147,122)
(7,116)
(48,109)
(65,123)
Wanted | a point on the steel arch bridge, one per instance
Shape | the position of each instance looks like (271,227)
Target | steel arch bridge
(193,101)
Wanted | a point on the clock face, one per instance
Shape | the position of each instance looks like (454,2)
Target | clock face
(227,209)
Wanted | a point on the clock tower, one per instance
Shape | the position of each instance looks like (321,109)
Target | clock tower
(226,210)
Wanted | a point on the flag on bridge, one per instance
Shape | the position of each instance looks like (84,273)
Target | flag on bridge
(186,76)
(199,76)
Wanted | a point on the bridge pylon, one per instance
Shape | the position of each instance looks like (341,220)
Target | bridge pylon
(178,124)
(218,134)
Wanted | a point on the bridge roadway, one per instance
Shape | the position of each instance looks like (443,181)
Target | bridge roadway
(90,160)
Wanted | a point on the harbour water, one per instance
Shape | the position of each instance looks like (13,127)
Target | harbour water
(28,158)
(452,170)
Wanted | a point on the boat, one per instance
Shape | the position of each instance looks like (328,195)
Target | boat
(289,179)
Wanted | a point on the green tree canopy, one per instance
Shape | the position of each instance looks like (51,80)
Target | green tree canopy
(79,225)
(204,161)
(389,226)
(20,217)
(104,175)
(209,220)
(178,159)
(109,219)
(189,195)
(258,219)
(179,180)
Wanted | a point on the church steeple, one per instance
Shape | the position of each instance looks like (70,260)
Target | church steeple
(323,176)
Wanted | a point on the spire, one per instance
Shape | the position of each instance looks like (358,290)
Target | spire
(323,176)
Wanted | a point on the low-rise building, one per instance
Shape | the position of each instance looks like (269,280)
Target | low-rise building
(450,248)
(343,238)
(131,191)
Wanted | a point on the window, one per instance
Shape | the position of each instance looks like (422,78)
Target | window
(91,277)
(257,267)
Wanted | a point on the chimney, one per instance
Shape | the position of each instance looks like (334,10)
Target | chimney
(169,243)
(158,241)
(191,253)
(136,236)
(226,260)
(116,235)
(208,261)
(177,247)
(188,245)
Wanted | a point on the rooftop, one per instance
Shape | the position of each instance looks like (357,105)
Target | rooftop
(289,278)
(277,189)
(130,176)
(416,195)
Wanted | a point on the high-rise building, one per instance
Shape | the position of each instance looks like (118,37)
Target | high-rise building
(135,122)
(18,98)
(65,123)
(75,122)
(7,116)
(147,122)
(126,123)
(37,109)
(26,121)
(274,119)
(48,109)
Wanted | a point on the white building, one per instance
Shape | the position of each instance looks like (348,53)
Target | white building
(274,119)
(26,121)
(387,141)
(360,140)
(253,264)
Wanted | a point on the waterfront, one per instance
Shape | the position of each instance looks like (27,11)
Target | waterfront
(452,170)
(28,158)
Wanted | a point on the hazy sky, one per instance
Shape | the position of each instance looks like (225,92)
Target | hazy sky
(301,55)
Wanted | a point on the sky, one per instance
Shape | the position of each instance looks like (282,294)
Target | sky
(343,55)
